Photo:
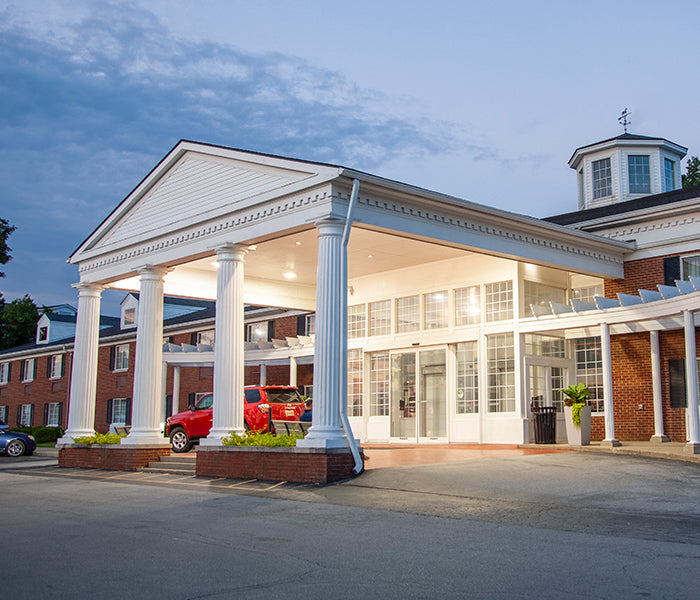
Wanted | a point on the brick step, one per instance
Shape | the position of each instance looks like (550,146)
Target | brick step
(183,464)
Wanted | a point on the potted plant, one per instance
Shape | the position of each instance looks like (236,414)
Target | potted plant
(577,414)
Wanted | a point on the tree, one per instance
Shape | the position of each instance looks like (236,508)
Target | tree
(18,322)
(5,230)
(692,172)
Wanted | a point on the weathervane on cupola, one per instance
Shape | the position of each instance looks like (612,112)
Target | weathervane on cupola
(622,119)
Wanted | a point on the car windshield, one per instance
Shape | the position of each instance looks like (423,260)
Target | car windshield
(283,396)
(205,402)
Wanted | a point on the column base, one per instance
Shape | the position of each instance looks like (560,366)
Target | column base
(324,438)
(692,448)
(659,439)
(148,437)
(610,443)
(68,436)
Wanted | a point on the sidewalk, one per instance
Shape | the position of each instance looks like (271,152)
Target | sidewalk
(667,450)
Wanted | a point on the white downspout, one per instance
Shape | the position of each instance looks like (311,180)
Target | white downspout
(359,465)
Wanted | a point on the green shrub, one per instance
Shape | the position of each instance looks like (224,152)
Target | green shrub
(41,434)
(250,438)
(99,438)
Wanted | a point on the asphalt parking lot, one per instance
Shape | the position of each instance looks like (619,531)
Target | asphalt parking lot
(573,525)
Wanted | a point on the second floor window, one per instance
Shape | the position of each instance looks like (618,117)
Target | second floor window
(638,168)
(257,332)
(119,357)
(602,178)
(4,372)
(54,369)
(28,370)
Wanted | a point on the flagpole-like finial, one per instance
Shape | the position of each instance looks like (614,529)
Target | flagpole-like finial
(623,120)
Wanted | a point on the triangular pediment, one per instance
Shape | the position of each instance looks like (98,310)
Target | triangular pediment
(200,183)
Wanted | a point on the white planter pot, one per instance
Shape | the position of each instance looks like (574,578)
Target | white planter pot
(578,436)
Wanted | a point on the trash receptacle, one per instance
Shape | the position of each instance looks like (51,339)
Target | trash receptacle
(545,421)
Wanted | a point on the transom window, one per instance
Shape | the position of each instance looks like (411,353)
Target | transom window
(545,345)
(499,301)
(501,372)
(380,317)
(638,169)
(539,294)
(468,305)
(357,319)
(355,373)
(436,311)
(467,378)
(587,294)
(407,314)
(602,178)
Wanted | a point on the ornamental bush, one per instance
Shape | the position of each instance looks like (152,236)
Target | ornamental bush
(99,438)
(250,438)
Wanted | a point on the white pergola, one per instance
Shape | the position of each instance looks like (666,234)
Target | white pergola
(244,228)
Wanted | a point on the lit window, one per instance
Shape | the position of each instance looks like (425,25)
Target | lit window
(357,321)
(501,372)
(638,169)
(499,301)
(436,311)
(602,178)
(407,314)
(379,385)
(380,317)
(53,414)
(669,175)
(355,375)
(121,358)
(467,378)
(257,332)
(467,305)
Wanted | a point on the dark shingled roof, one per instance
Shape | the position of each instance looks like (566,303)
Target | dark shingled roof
(625,207)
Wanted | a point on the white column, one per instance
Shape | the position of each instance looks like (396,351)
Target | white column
(656,389)
(331,340)
(83,385)
(176,389)
(228,349)
(146,411)
(293,371)
(263,374)
(691,379)
(610,439)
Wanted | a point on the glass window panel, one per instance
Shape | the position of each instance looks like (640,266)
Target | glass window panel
(408,314)
(467,378)
(669,175)
(436,311)
(539,294)
(356,321)
(602,178)
(380,317)
(499,301)
(589,369)
(380,382)
(638,169)
(467,305)
(355,376)
(501,372)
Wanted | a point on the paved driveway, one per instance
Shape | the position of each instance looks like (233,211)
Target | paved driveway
(558,526)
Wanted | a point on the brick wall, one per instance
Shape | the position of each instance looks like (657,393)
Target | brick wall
(639,274)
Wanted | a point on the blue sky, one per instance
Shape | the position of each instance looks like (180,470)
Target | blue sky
(483,102)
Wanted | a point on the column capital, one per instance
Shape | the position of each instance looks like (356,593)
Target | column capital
(330,225)
(152,273)
(89,289)
(234,252)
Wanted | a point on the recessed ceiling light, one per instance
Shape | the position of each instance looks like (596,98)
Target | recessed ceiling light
(369,256)
(253,247)
(298,243)
(215,264)
(289,275)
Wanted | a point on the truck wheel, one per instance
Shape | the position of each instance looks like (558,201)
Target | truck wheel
(179,441)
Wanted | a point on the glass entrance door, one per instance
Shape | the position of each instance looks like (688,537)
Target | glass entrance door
(418,395)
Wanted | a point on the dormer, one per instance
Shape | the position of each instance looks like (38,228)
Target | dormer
(626,167)
(129,311)
(54,326)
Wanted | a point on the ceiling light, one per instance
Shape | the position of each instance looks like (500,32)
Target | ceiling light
(298,243)
(215,264)
(253,247)
(289,275)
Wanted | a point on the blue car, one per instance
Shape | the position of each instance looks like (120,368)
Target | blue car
(14,443)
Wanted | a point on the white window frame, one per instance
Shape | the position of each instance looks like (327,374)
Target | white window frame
(500,363)
(408,314)
(25,417)
(123,404)
(436,310)
(355,380)
(310,324)
(121,358)
(601,178)
(467,305)
(53,415)
(29,372)
(4,413)
(4,373)
(498,297)
(638,173)
(380,318)
(257,332)
(56,366)
(467,374)
(684,274)
(206,338)
(357,321)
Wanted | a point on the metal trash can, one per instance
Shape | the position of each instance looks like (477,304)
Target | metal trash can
(545,421)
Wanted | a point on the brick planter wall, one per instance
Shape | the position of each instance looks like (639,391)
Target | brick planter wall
(302,465)
(111,457)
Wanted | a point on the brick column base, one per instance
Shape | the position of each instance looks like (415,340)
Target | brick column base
(112,457)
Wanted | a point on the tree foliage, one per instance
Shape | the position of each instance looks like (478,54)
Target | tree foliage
(692,172)
(17,322)
(5,230)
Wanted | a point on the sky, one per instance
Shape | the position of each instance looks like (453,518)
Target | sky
(484,101)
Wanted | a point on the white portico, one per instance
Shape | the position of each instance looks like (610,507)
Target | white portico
(245,228)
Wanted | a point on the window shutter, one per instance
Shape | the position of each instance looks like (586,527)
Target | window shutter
(193,338)
(48,367)
(270,330)
(9,372)
(676,379)
(31,414)
(60,414)
(672,269)
(169,405)
(46,413)
(34,369)
(301,325)
(21,370)
(63,364)
(112,357)
(109,411)
(128,411)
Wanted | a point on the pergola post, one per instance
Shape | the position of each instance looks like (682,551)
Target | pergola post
(609,406)
(691,379)
(656,389)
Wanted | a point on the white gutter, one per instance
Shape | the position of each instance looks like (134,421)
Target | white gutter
(359,464)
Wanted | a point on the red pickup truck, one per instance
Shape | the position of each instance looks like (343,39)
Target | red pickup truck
(262,404)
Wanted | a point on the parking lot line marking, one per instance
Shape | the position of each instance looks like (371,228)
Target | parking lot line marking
(240,483)
(272,487)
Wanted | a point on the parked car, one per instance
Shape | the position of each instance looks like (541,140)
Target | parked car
(13,443)
(262,404)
